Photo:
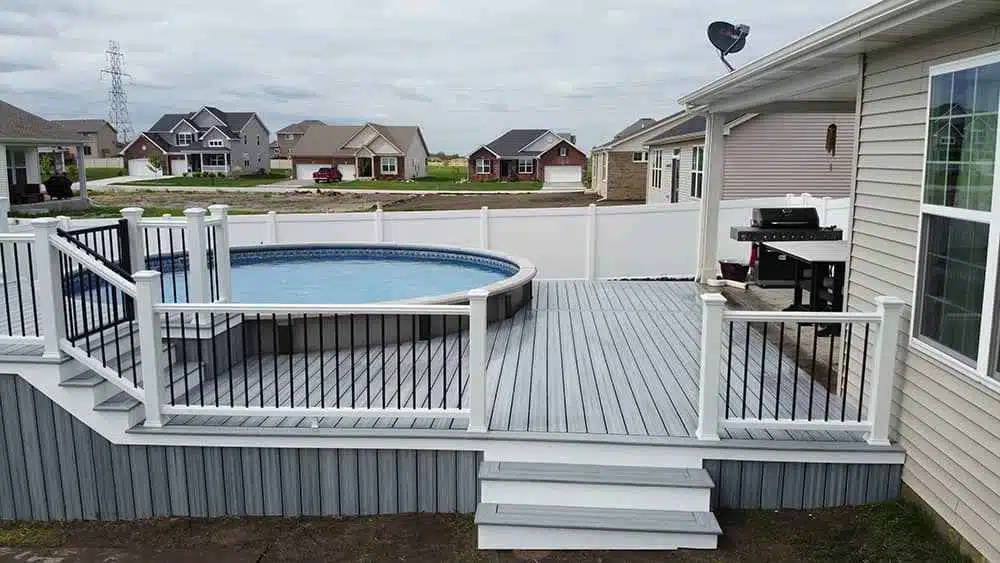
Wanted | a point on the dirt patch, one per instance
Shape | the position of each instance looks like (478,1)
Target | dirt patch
(894,531)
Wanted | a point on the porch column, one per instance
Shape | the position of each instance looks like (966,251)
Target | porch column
(4,188)
(708,217)
(34,167)
(81,170)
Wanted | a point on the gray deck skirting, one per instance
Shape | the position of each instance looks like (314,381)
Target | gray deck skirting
(53,467)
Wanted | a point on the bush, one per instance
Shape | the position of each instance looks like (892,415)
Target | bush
(185,175)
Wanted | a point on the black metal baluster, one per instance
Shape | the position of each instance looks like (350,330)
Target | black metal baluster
(413,358)
(31,285)
(230,363)
(173,262)
(336,354)
(353,395)
(763,356)
(781,361)
(729,370)
(260,359)
(305,353)
(6,291)
(829,379)
(200,356)
(244,359)
(381,320)
(291,365)
(187,268)
(184,364)
(170,361)
(847,341)
(864,370)
(17,286)
(100,316)
(812,372)
(444,365)
(746,371)
(429,370)
(795,383)
(399,363)
(368,362)
(215,357)
(460,374)
(274,343)
(322,365)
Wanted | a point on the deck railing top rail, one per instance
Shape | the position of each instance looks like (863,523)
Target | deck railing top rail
(802,316)
(322,309)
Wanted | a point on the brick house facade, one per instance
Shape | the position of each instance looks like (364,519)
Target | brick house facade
(514,163)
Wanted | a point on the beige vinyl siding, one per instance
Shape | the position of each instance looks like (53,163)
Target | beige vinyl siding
(775,154)
(684,191)
(948,422)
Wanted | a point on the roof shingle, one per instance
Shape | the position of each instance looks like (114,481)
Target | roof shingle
(16,123)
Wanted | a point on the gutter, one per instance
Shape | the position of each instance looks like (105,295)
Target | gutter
(31,141)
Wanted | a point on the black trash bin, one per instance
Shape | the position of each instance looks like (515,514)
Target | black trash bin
(734,270)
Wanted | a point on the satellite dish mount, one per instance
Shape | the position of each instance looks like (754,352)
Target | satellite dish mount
(728,39)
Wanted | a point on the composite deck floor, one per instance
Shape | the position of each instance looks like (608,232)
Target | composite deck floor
(610,358)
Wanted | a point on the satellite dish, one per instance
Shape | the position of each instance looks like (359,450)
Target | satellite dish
(728,39)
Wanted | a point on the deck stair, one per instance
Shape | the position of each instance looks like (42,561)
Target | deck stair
(577,506)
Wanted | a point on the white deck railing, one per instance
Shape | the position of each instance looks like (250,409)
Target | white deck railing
(810,371)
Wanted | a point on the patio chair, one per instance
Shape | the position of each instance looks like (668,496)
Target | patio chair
(26,193)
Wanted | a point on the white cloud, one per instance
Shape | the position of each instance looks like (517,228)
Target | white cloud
(465,70)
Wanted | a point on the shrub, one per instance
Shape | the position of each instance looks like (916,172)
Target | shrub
(185,175)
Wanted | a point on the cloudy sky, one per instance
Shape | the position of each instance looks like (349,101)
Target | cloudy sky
(465,70)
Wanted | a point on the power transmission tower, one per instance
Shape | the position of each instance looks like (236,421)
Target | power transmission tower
(117,98)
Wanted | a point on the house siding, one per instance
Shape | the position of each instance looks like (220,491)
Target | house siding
(786,153)
(948,422)
(551,158)
(684,185)
(106,139)
(598,180)
(260,153)
(135,151)
(400,168)
(626,179)
(494,167)
(416,158)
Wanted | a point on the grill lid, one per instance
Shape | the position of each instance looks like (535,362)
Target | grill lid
(785,217)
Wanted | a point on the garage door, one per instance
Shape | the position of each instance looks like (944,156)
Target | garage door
(305,171)
(141,167)
(349,172)
(563,174)
(178,166)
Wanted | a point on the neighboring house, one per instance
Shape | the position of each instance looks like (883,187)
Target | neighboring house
(922,80)
(99,135)
(289,136)
(766,155)
(208,140)
(22,134)
(530,154)
(365,152)
(620,165)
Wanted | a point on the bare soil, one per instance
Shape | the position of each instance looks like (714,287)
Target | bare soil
(324,201)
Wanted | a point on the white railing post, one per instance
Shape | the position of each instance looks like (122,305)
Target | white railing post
(222,262)
(590,268)
(379,225)
(484,227)
(197,258)
(49,289)
(64,222)
(890,309)
(147,291)
(272,227)
(477,360)
(712,307)
(824,210)
(136,249)
(4,210)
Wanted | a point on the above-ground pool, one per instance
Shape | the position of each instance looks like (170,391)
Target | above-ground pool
(350,274)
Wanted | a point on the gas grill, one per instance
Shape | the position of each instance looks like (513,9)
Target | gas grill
(770,268)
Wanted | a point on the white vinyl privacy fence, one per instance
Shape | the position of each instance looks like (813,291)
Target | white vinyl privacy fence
(564,243)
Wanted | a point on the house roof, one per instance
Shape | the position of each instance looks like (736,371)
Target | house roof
(823,65)
(84,125)
(235,121)
(18,124)
(511,142)
(329,140)
(624,136)
(690,126)
(300,127)
(639,125)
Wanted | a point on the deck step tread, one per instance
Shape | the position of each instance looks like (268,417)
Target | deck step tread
(85,380)
(611,519)
(595,474)
(122,402)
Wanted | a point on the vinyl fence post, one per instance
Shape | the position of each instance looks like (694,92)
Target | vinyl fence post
(272,227)
(223,266)
(890,310)
(477,360)
(590,269)
(136,247)
(712,307)
(379,225)
(824,211)
(484,227)
(147,287)
(197,258)
(4,210)
(48,281)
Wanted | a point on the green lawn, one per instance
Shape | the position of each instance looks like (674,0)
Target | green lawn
(102,173)
(439,179)
(238,182)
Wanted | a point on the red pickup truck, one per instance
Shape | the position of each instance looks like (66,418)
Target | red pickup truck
(327,174)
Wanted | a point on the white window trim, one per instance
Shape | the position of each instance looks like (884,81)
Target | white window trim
(643,156)
(188,136)
(656,163)
(563,151)
(215,143)
(483,167)
(389,170)
(529,169)
(697,172)
(980,373)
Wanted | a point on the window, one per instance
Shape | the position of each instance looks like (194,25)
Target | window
(526,166)
(213,159)
(17,167)
(389,165)
(640,156)
(563,151)
(289,137)
(246,160)
(244,138)
(184,139)
(87,150)
(258,140)
(482,166)
(215,143)
(657,176)
(697,170)
(955,301)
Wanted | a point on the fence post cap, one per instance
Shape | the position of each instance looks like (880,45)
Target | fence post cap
(889,302)
(45,223)
(713,299)
(484,208)
(145,275)
(479,293)
(218,209)
(132,211)
(194,212)
(272,213)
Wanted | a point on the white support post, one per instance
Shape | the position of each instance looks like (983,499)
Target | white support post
(824,211)
(223,266)
(590,268)
(711,196)
(197,247)
(4,210)
(272,227)
(81,170)
(137,250)
(147,289)
(64,221)
(379,224)
(712,307)
(484,227)
(48,283)
(477,360)
(884,369)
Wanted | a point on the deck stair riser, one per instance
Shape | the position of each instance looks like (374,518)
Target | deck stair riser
(590,486)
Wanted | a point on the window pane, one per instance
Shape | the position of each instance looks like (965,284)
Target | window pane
(941,95)
(953,271)
(963,91)
(988,88)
